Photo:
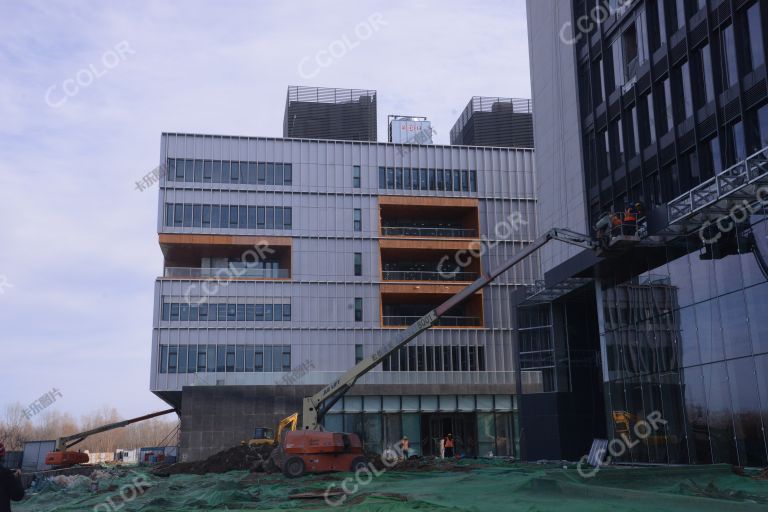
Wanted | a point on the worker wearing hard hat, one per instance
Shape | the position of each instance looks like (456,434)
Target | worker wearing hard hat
(10,484)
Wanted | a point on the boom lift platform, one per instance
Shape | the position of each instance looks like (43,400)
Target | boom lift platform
(313,450)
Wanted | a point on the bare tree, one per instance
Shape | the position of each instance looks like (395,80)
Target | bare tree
(16,428)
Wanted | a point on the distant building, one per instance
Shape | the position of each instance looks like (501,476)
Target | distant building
(330,114)
(409,130)
(501,122)
(286,261)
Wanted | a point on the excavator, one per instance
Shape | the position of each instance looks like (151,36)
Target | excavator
(267,436)
(63,457)
(313,450)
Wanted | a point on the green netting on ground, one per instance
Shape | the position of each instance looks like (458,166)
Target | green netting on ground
(469,485)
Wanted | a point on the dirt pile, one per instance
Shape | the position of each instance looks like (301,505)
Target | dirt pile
(239,458)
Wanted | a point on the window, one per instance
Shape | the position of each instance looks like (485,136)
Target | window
(662,27)
(706,74)
(356,176)
(189,173)
(357,216)
(755,29)
(715,159)
(382,177)
(278,174)
(633,135)
(728,53)
(287,174)
(762,123)
(261,174)
(390,178)
(617,144)
(206,216)
(680,12)
(651,124)
(225,166)
(187,215)
(261,217)
(358,353)
(358,309)
(169,215)
(618,63)
(208,172)
(358,264)
(666,103)
(736,149)
(685,83)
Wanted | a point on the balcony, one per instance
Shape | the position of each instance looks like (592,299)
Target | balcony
(428,231)
(225,257)
(420,275)
(411,217)
(403,309)
(435,263)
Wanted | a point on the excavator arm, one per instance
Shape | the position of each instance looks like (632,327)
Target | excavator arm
(318,405)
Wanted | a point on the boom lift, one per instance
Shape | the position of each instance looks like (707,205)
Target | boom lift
(313,451)
(61,457)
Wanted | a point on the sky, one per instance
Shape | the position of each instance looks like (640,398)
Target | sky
(86,89)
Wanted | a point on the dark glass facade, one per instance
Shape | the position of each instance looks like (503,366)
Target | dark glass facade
(689,339)
(671,93)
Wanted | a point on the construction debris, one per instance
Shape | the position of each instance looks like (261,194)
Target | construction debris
(239,458)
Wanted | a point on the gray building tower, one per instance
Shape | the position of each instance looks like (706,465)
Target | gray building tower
(330,114)
(502,122)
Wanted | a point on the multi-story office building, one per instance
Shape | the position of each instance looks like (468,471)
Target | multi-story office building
(501,122)
(664,103)
(330,114)
(288,260)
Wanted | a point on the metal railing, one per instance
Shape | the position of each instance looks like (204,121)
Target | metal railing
(418,275)
(227,273)
(444,321)
(714,189)
(422,231)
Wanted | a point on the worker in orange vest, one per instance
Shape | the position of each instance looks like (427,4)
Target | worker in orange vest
(405,445)
(448,445)
(630,221)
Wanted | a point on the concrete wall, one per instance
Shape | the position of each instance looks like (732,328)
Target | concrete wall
(556,122)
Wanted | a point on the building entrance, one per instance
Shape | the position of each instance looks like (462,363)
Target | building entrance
(463,426)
